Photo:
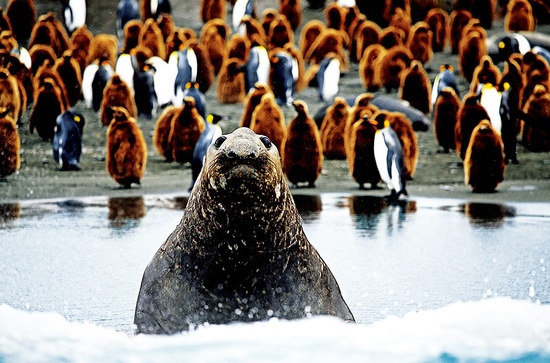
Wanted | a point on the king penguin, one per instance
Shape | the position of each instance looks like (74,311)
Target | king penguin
(127,10)
(328,77)
(74,14)
(258,67)
(491,100)
(240,9)
(282,78)
(211,132)
(186,63)
(192,90)
(390,162)
(445,78)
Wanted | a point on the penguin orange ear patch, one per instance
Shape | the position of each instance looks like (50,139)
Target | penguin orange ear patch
(77,119)
(501,45)
(209,118)
(196,86)
(506,86)
(275,59)
(188,85)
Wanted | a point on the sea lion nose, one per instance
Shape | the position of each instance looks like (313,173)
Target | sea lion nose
(242,151)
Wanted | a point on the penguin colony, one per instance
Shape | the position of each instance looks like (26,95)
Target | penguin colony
(157,69)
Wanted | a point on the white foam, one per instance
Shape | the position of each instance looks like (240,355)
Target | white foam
(490,329)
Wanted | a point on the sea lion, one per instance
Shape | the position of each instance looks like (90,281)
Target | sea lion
(239,252)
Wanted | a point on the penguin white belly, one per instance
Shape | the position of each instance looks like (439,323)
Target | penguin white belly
(164,80)
(125,70)
(238,12)
(435,89)
(395,179)
(79,13)
(329,88)
(347,3)
(154,7)
(25,57)
(381,158)
(491,100)
(264,66)
(193,63)
(87,79)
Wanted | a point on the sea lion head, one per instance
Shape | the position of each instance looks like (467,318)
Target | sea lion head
(243,164)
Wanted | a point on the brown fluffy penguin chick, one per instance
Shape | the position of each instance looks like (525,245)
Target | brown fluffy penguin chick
(166,25)
(401,20)
(161,135)
(419,42)
(302,153)
(132,31)
(415,87)
(445,115)
(392,64)
(484,160)
(268,16)
(10,100)
(69,71)
(280,32)
(484,10)
(367,34)
(536,131)
(391,37)
(212,9)
(46,32)
(104,46)
(268,119)
(485,72)
(470,114)
(46,71)
(458,20)
(333,128)
(329,41)
(22,17)
(116,93)
(472,48)
(230,86)
(438,20)
(362,103)
(238,47)
(292,9)
(361,162)
(186,128)
(519,16)
(9,145)
(39,54)
(80,45)
(368,64)
(151,37)
(407,137)
(335,15)
(126,149)
(309,33)
(48,104)
(252,100)
(213,37)
(393,5)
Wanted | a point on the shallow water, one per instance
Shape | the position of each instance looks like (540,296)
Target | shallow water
(400,267)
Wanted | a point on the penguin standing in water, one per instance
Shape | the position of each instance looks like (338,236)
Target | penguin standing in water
(74,14)
(328,77)
(390,162)
(127,10)
(211,132)
(445,78)
(240,9)
(258,67)
(67,141)
(282,78)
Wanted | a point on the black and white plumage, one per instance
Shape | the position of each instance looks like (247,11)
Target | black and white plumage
(74,14)
(127,10)
(328,77)
(501,45)
(257,69)
(95,78)
(283,78)
(240,9)
(126,66)
(390,162)
(491,100)
(445,78)
(144,91)
(67,140)
(185,64)
(192,90)
(211,132)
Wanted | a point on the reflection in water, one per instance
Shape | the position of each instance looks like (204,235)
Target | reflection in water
(309,206)
(487,215)
(368,212)
(8,213)
(123,210)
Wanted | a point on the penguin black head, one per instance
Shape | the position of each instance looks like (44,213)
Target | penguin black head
(446,67)
(380,120)
(214,118)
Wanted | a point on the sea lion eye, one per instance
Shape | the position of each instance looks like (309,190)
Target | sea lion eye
(219,141)
(265,140)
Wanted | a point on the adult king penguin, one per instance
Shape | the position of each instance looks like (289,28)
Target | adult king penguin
(390,162)
(445,78)
(127,10)
(240,9)
(258,67)
(74,14)
(328,77)
(211,132)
